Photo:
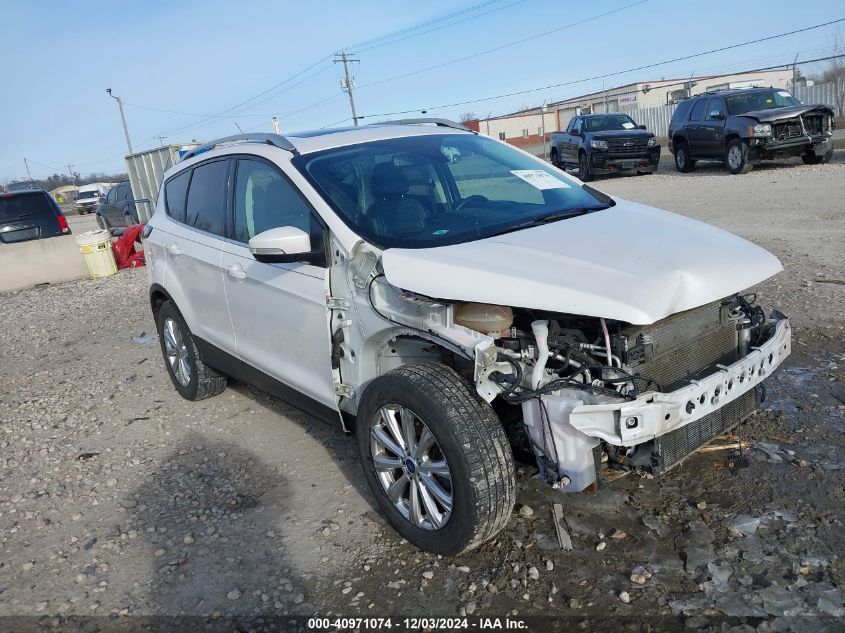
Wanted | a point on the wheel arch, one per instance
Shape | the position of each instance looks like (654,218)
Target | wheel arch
(158,295)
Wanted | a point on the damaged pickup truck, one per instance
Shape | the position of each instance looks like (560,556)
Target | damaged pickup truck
(744,126)
(451,311)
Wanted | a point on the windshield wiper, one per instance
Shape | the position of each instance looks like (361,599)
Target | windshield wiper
(549,218)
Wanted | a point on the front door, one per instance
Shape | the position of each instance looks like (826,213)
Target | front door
(278,311)
(713,129)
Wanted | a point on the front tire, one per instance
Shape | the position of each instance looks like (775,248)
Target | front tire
(584,174)
(736,158)
(436,458)
(811,158)
(192,378)
(103,223)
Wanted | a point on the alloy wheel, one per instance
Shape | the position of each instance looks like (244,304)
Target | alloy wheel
(735,157)
(411,467)
(176,351)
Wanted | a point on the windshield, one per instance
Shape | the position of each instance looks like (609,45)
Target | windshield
(24,205)
(87,194)
(609,122)
(760,100)
(439,189)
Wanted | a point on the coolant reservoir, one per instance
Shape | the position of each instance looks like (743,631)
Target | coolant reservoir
(483,317)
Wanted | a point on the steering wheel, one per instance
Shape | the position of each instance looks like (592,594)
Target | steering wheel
(466,201)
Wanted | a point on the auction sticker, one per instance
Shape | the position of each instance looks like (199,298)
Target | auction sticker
(539,179)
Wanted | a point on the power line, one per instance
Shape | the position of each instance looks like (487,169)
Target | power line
(611,74)
(366,46)
(502,46)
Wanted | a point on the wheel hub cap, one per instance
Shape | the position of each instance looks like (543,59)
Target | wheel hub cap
(411,467)
(176,351)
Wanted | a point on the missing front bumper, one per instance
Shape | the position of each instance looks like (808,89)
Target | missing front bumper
(653,415)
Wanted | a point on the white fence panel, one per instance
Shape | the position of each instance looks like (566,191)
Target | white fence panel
(819,93)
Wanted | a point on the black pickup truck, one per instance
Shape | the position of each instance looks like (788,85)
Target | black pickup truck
(605,144)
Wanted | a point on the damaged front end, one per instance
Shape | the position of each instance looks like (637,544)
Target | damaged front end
(641,397)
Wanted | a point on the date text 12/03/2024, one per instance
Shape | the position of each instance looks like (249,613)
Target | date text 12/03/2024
(416,624)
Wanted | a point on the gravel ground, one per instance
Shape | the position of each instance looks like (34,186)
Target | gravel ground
(119,498)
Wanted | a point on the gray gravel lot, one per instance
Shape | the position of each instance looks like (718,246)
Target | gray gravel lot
(118,497)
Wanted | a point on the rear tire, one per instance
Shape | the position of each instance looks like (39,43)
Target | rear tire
(475,462)
(127,219)
(192,378)
(555,158)
(736,156)
(683,162)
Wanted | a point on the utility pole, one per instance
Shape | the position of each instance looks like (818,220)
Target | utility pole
(72,175)
(123,119)
(276,128)
(161,140)
(27,170)
(794,73)
(347,83)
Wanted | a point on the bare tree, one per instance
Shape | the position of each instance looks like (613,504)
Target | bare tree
(468,116)
(833,72)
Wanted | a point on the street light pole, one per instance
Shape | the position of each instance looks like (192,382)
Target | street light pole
(123,119)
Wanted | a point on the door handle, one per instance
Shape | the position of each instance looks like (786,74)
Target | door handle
(236,271)
(174,249)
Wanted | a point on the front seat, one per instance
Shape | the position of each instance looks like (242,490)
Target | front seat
(393,214)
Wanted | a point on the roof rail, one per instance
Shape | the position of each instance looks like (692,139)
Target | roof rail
(437,122)
(277,140)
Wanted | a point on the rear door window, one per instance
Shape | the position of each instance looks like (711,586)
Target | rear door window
(174,196)
(205,208)
(697,113)
(24,206)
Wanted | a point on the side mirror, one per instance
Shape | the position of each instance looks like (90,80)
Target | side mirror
(280,245)
(717,115)
(575,133)
(642,127)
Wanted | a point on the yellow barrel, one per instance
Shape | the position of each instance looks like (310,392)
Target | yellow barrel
(96,249)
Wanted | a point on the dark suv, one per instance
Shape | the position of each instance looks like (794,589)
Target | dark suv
(30,214)
(119,207)
(745,126)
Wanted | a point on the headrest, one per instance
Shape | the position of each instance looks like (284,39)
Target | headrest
(388,180)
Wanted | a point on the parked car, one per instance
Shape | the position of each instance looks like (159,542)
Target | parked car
(30,214)
(444,310)
(745,126)
(90,196)
(605,144)
(118,209)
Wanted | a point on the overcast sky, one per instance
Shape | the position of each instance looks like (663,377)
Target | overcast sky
(193,57)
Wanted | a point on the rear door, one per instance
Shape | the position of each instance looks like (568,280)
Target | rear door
(696,137)
(278,311)
(27,216)
(196,202)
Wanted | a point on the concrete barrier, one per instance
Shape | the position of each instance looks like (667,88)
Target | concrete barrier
(51,260)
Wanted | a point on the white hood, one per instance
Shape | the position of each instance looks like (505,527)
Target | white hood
(630,263)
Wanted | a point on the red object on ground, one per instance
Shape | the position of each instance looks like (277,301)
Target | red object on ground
(124,248)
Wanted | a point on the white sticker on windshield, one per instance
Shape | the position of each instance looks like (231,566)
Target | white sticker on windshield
(628,125)
(539,179)
(784,93)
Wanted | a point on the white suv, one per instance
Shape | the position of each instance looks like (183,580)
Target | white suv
(450,298)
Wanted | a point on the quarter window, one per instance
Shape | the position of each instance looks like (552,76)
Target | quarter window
(174,195)
(206,205)
(264,199)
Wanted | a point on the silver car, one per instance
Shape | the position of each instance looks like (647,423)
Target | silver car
(447,297)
